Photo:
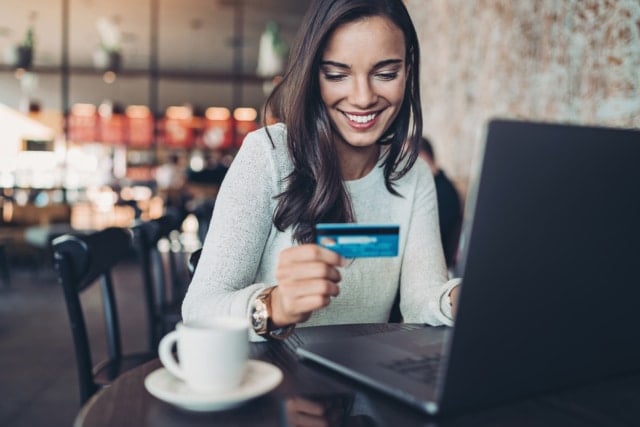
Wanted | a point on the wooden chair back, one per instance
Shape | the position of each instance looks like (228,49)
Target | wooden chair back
(82,260)
(162,276)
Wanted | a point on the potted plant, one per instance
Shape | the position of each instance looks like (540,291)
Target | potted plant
(24,51)
(108,55)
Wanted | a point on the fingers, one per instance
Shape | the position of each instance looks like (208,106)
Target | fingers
(300,404)
(296,289)
(294,302)
(307,262)
(307,270)
(454,294)
(305,413)
(306,304)
(307,278)
(310,252)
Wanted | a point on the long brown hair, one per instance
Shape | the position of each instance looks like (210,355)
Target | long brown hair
(315,189)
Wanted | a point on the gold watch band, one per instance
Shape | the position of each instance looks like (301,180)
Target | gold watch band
(261,318)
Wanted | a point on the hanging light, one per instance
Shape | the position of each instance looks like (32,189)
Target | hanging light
(245,114)
(217,113)
(179,112)
(138,112)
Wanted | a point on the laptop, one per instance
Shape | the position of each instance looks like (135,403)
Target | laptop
(550,296)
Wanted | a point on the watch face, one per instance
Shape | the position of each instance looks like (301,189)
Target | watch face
(259,316)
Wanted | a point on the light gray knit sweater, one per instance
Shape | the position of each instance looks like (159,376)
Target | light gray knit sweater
(240,252)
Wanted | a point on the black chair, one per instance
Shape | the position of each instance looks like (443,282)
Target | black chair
(81,261)
(5,274)
(163,274)
(203,212)
(193,260)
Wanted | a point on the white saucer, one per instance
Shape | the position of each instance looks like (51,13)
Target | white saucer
(259,378)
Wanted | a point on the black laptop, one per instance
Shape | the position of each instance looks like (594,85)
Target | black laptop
(551,291)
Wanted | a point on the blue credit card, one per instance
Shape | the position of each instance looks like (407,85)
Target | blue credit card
(359,240)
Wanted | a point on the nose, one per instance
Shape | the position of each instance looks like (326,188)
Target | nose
(362,93)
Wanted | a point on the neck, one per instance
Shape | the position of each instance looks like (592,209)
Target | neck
(356,162)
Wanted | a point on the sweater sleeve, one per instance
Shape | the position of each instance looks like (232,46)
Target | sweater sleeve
(424,284)
(223,283)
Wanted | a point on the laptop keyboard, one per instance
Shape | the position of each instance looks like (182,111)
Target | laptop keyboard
(423,369)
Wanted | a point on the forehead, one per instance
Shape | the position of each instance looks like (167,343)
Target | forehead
(370,39)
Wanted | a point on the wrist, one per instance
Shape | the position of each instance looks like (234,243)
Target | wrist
(278,318)
(262,317)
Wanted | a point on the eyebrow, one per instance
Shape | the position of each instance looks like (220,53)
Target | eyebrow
(377,65)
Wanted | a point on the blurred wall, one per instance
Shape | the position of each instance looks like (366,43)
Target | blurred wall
(569,61)
(196,39)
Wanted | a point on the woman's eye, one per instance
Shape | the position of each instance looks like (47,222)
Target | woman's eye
(387,76)
(333,77)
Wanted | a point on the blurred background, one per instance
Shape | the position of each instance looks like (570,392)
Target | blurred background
(113,111)
(108,109)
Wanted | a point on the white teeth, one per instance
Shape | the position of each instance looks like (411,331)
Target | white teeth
(361,119)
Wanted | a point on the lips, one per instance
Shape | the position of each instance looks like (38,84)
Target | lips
(360,120)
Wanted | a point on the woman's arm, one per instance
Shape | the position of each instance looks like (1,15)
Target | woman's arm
(424,284)
(223,283)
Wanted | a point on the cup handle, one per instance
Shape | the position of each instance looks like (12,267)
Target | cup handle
(166,355)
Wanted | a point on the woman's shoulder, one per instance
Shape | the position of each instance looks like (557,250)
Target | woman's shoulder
(268,142)
(273,135)
(417,180)
(418,172)
(421,168)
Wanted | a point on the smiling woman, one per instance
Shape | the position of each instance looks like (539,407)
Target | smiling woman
(344,152)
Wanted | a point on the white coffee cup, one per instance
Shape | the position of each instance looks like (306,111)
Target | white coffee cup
(212,354)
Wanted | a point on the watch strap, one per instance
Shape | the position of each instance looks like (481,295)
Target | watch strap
(281,333)
(271,332)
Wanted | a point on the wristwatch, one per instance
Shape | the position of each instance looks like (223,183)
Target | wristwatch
(261,317)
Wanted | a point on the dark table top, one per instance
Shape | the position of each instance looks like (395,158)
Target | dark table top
(614,402)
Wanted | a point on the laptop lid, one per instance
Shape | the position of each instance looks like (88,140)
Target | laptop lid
(549,296)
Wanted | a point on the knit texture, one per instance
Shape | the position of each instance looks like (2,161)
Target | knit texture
(240,253)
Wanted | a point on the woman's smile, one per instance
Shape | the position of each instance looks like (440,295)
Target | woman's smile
(361,121)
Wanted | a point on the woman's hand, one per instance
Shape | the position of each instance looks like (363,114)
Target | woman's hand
(307,278)
(453,297)
(317,411)
(301,412)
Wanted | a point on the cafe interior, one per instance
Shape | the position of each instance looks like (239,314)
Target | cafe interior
(123,113)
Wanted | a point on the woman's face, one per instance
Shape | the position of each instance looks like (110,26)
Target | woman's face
(363,73)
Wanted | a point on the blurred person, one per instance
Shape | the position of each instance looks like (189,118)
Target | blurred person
(170,175)
(449,205)
(171,178)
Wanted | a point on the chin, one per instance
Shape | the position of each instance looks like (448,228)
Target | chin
(362,144)
(360,141)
